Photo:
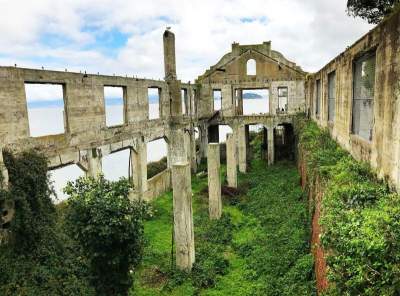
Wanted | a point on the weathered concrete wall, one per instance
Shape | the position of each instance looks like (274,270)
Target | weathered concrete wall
(158,185)
(382,152)
(230,76)
(84,113)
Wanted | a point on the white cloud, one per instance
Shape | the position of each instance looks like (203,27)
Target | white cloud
(309,32)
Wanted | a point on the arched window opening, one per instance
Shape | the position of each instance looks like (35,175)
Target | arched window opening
(251,67)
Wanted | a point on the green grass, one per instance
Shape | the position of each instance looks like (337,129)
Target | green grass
(265,235)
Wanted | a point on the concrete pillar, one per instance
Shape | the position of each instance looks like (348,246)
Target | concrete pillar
(169,55)
(242,148)
(231,161)
(271,149)
(183,216)
(214,181)
(239,110)
(193,155)
(3,173)
(187,144)
(94,167)
(203,141)
(174,85)
(177,146)
(139,168)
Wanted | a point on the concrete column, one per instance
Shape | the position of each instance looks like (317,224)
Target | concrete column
(183,216)
(3,172)
(94,167)
(169,55)
(203,141)
(174,85)
(271,149)
(193,156)
(187,144)
(239,110)
(139,168)
(214,181)
(231,161)
(242,148)
(177,147)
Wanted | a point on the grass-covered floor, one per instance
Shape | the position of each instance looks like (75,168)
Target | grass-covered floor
(259,247)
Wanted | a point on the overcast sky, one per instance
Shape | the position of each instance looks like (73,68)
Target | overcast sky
(125,36)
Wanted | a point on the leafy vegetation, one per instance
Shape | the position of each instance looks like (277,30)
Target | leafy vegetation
(371,10)
(108,227)
(359,219)
(39,259)
(88,245)
(260,246)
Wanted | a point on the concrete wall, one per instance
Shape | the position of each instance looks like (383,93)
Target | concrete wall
(273,70)
(84,112)
(383,151)
(158,185)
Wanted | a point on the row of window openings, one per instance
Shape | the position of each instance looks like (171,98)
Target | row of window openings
(45,104)
(363,96)
(114,166)
(256,106)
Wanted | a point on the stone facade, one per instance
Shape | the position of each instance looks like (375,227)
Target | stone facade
(382,150)
(87,138)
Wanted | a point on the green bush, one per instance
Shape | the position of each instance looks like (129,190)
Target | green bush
(359,219)
(39,259)
(109,228)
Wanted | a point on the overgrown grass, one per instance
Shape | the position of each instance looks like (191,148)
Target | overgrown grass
(360,218)
(259,247)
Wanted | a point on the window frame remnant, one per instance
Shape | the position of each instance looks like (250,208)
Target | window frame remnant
(283,96)
(331,96)
(37,134)
(213,93)
(124,117)
(364,73)
(251,67)
(159,92)
(317,98)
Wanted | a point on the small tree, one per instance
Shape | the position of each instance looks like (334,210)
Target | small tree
(371,10)
(110,230)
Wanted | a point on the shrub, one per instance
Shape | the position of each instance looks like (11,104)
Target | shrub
(109,228)
(359,218)
(39,259)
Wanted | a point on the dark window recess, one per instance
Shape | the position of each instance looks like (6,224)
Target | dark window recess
(331,96)
(282,99)
(318,98)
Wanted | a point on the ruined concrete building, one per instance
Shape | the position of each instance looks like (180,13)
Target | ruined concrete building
(356,96)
